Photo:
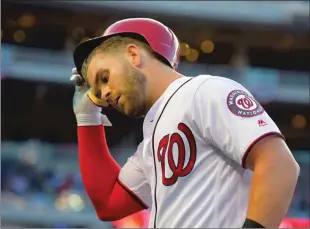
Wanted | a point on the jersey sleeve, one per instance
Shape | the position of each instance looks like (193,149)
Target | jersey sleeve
(133,179)
(230,118)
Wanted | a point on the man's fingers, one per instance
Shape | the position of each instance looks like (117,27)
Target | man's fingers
(74,71)
(77,80)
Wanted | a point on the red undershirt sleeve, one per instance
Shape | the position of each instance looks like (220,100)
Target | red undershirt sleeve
(111,198)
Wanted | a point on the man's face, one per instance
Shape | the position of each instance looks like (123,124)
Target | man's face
(122,86)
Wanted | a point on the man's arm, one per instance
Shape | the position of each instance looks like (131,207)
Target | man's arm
(274,180)
(230,117)
(112,199)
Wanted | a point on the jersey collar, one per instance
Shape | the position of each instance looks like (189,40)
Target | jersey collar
(151,115)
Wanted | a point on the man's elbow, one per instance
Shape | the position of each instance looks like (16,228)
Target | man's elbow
(107,216)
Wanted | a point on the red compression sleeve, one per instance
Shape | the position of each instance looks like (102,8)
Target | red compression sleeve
(111,199)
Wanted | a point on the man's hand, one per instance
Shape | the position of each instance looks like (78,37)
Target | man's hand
(86,112)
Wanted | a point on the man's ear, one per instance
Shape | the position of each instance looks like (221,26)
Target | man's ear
(134,55)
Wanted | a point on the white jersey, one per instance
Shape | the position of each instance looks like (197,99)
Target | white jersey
(189,169)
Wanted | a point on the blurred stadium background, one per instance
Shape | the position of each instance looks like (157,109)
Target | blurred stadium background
(263,45)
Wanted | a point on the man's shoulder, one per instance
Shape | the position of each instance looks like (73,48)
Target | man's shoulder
(214,80)
(211,83)
(208,88)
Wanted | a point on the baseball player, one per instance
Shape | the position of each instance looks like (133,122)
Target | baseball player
(210,156)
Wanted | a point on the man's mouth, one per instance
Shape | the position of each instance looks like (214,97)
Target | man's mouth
(115,102)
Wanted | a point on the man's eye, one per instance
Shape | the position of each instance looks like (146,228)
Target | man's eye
(104,79)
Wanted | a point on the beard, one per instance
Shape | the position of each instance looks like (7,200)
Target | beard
(135,84)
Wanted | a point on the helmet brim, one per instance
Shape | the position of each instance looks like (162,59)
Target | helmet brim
(84,49)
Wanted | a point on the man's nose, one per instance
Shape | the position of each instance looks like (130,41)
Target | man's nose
(105,93)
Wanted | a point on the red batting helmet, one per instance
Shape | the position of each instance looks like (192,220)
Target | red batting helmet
(158,36)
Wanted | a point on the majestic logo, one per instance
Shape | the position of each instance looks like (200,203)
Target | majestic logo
(262,122)
(243,105)
(176,161)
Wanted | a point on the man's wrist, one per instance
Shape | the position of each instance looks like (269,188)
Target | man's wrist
(248,223)
(88,119)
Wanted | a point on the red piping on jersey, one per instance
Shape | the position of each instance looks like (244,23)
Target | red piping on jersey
(111,199)
(257,140)
(154,155)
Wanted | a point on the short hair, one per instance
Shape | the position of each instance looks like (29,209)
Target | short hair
(115,43)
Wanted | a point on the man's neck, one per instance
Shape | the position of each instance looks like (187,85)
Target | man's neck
(158,81)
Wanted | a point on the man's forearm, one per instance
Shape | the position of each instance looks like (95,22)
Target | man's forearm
(271,192)
(112,201)
(99,170)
